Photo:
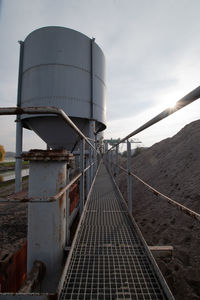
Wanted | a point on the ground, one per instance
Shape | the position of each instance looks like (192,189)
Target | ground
(13,221)
(173,168)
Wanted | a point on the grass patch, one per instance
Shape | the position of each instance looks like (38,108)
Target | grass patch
(12,181)
(12,164)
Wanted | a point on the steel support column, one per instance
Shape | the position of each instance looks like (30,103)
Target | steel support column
(19,129)
(91,151)
(109,160)
(117,165)
(82,181)
(67,211)
(95,156)
(18,157)
(129,179)
(87,174)
(90,169)
(112,163)
(106,155)
(47,220)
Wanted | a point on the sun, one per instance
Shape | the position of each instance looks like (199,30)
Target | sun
(171,104)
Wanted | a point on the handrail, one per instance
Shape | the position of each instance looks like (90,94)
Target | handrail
(45,110)
(51,198)
(189,98)
(69,184)
(174,203)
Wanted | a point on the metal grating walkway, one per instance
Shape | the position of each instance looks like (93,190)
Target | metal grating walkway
(109,259)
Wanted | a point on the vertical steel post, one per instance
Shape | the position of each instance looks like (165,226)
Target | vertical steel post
(82,181)
(90,169)
(112,162)
(117,165)
(18,157)
(47,220)
(92,123)
(19,129)
(92,77)
(107,153)
(91,154)
(88,173)
(109,160)
(95,155)
(67,211)
(129,179)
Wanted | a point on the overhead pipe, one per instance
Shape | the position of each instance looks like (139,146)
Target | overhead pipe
(189,98)
(45,110)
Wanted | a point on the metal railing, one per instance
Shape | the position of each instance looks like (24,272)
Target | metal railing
(113,152)
(89,170)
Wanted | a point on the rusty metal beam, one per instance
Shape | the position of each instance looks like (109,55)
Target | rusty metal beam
(161,251)
(34,278)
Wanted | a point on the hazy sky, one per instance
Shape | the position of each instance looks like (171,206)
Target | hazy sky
(152,58)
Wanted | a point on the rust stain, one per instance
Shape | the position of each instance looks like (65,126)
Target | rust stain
(74,196)
(48,155)
(13,270)
(61,202)
(34,278)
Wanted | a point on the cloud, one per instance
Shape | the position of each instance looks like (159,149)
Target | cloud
(151,47)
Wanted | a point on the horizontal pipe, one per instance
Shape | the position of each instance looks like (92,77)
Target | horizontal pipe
(44,110)
(69,184)
(48,199)
(85,170)
(63,190)
(189,98)
(177,205)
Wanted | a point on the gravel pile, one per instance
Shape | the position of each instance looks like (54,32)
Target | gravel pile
(172,166)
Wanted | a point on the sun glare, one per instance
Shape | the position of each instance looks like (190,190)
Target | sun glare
(171,104)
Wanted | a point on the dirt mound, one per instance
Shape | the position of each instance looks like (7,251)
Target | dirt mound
(13,220)
(172,166)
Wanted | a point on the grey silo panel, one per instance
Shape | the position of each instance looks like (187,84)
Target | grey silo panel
(57,72)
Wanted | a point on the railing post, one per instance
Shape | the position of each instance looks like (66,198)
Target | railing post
(90,169)
(82,182)
(18,157)
(92,161)
(87,173)
(111,162)
(91,154)
(117,165)
(67,211)
(106,154)
(129,179)
(108,160)
(95,155)
(19,128)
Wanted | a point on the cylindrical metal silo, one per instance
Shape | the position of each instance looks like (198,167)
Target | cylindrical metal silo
(65,69)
